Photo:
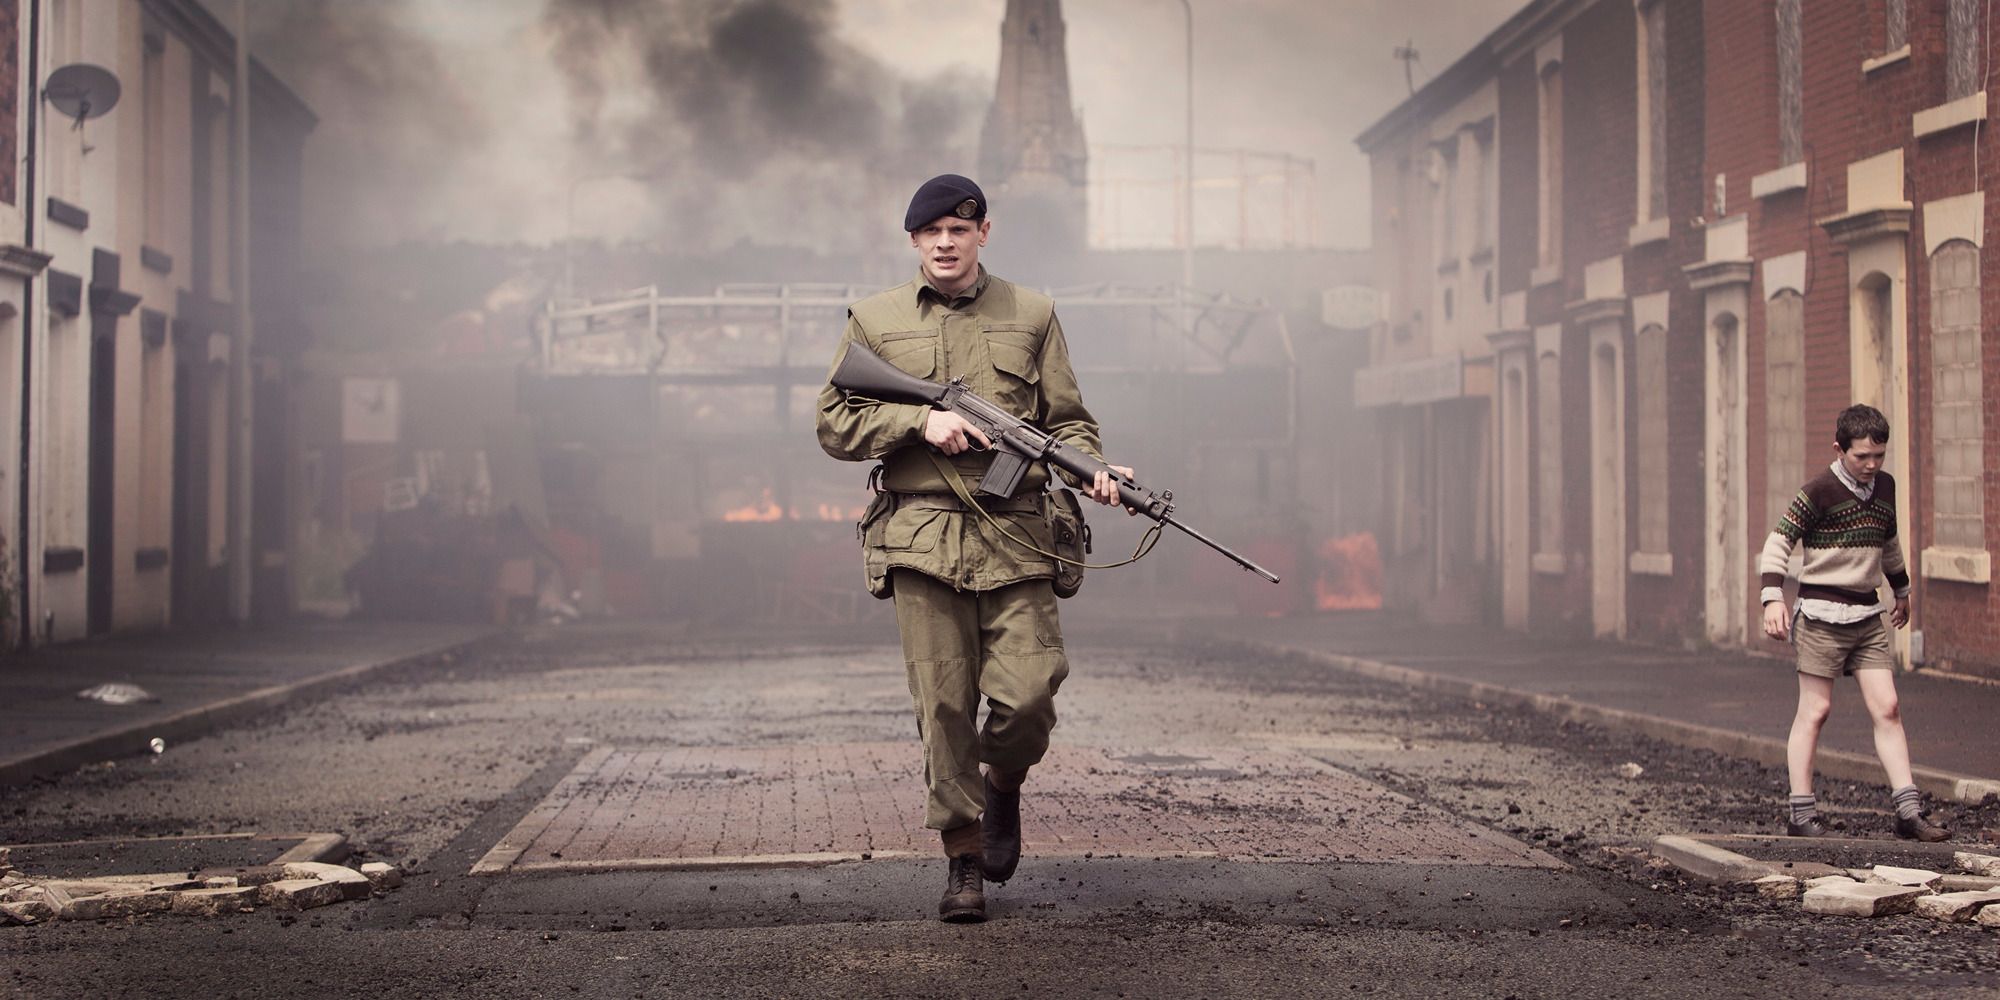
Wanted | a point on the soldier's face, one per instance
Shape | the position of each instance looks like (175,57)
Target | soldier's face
(948,248)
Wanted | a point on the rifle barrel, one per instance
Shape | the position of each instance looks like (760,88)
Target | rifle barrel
(1219,547)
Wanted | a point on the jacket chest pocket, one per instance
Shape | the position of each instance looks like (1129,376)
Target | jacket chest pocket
(1015,350)
(914,351)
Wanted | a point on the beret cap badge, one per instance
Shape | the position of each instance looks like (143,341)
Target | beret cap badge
(967,208)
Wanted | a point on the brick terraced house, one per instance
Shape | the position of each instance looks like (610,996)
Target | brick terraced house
(1635,256)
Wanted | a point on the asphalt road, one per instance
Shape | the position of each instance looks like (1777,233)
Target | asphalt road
(429,767)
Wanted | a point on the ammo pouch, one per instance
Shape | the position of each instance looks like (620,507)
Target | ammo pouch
(872,527)
(1072,539)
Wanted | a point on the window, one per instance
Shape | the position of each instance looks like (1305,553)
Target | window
(156,456)
(1961,49)
(1784,400)
(1957,427)
(66,486)
(1896,25)
(1444,180)
(1652,69)
(220,202)
(1485,177)
(1548,453)
(153,99)
(1791,102)
(1549,181)
(1651,353)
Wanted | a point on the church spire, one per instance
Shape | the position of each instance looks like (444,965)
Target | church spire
(1032,152)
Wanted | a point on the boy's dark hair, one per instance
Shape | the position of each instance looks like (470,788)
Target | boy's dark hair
(1860,422)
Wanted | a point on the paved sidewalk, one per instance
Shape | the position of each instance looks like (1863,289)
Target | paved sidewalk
(202,680)
(1731,702)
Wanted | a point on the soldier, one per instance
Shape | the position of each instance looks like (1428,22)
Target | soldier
(977,612)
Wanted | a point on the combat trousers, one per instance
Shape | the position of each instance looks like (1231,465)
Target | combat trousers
(1005,644)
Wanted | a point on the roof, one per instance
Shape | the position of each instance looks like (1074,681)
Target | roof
(1473,68)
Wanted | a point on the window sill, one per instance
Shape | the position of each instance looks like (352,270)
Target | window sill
(1791,177)
(1958,565)
(1652,563)
(1447,267)
(1547,274)
(1949,115)
(1549,563)
(1645,233)
(1885,59)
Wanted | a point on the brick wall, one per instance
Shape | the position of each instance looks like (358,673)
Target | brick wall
(10,102)
(1961,622)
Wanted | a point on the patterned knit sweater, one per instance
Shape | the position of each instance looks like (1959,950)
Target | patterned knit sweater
(1850,543)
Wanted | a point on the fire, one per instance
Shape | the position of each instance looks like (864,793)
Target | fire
(766,509)
(1350,575)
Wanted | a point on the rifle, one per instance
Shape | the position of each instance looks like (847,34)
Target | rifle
(1017,444)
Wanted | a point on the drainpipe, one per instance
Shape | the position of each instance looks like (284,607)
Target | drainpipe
(32,161)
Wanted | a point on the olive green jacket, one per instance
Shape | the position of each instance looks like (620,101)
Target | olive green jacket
(1007,344)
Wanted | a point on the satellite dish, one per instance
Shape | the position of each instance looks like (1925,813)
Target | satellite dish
(82,91)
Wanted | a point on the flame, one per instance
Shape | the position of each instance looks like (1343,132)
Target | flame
(765,510)
(1350,575)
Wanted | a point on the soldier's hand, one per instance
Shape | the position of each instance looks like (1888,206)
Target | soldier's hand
(1777,624)
(950,433)
(1104,489)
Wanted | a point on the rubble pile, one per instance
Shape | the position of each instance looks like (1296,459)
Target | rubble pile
(28,899)
(1970,895)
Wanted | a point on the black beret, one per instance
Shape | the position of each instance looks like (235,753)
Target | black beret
(945,194)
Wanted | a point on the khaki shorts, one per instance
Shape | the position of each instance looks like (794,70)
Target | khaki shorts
(1839,650)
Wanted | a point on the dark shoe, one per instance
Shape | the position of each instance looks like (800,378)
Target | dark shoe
(1919,828)
(964,899)
(1001,829)
(1810,828)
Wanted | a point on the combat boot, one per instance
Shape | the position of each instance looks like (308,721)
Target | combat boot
(964,899)
(1000,829)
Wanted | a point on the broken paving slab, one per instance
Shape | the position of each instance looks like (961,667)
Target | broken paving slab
(108,857)
(1862,899)
(1977,864)
(1956,906)
(1893,875)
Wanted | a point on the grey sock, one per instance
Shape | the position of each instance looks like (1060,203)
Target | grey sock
(1908,801)
(1804,808)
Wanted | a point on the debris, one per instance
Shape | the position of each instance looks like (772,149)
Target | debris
(1630,770)
(382,875)
(1777,887)
(157,745)
(1976,864)
(300,893)
(1814,883)
(116,694)
(1892,875)
(216,901)
(1858,900)
(1956,906)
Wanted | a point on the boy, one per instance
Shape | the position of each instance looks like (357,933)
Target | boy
(1846,516)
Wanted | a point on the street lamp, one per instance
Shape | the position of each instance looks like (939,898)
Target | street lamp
(1187,192)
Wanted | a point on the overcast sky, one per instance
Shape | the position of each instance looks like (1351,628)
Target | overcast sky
(452,119)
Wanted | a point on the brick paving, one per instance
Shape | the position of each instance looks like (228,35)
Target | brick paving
(704,806)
